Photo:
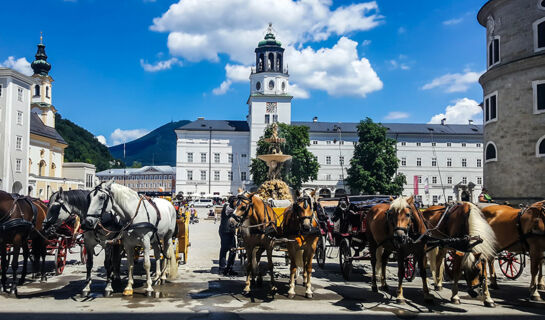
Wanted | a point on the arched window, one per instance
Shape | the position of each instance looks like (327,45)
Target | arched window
(47,92)
(539,34)
(271,62)
(540,147)
(260,63)
(52,172)
(41,167)
(490,153)
(37,90)
(279,62)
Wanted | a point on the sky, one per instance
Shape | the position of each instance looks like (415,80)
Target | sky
(125,67)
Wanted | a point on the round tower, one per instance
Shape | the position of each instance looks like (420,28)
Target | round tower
(514,99)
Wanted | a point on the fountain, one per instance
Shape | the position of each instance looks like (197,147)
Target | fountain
(274,187)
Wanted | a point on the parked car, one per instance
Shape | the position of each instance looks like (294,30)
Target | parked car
(203,203)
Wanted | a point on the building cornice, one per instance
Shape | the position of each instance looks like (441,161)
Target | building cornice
(530,62)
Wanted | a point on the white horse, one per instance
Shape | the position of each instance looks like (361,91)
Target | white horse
(146,224)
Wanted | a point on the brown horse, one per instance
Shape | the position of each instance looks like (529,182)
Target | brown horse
(39,241)
(16,224)
(396,227)
(520,231)
(300,227)
(257,222)
(461,227)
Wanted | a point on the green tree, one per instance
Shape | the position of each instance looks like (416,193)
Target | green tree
(136,164)
(303,166)
(374,164)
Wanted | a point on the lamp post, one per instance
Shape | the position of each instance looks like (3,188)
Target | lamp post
(210,161)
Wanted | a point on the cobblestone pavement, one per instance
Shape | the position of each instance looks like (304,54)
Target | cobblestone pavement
(200,293)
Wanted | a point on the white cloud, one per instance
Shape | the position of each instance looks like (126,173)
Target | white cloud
(102,139)
(396,115)
(453,21)
(21,65)
(460,113)
(203,29)
(399,63)
(454,82)
(120,136)
(160,65)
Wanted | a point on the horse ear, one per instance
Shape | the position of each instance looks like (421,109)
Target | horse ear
(108,184)
(391,198)
(239,190)
(477,255)
(410,200)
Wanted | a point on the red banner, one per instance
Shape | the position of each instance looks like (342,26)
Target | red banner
(415,184)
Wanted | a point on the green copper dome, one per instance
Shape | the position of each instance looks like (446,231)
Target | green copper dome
(40,65)
(269,40)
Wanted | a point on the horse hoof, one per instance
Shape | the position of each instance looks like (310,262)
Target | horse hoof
(438,288)
(291,295)
(374,288)
(85,294)
(43,279)
(107,293)
(308,295)
(149,294)
(494,286)
(473,293)
(400,301)
(127,292)
(455,300)
(535,298)
(541,287)
(489,304)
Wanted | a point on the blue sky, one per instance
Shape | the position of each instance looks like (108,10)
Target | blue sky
(125,67)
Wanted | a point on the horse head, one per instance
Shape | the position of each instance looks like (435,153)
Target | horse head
(303,208)
(57,211)
(537,214)
(401,217)
(242,204)
(100,202)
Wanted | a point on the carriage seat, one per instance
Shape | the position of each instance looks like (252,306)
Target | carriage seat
(279,203)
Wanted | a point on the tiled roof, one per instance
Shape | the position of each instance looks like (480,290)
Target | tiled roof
(143,171)
(39,128)
(216,125)
(396,128)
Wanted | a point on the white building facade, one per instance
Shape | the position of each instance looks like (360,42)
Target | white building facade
(441,162)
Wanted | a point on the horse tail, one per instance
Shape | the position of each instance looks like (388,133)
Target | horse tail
(478,226)
(172,263)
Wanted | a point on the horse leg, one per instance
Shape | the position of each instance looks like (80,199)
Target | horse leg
(147,266)
(108,265)
(90,249)
(307,258)
(535,259)
(493,278)
(400,275)
(428,298)
(257,272)
(440,270)
(378,266)
(4,267)
(541,279)
(249,269)
(15,264)
(456,273)
(159,264)
(432,258)
(26,253)
(129,249)
(373,253)
(488,302)
(384,264)
(271,267)
(293,270)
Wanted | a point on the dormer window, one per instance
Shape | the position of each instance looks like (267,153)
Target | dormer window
(36,90)
(494,51)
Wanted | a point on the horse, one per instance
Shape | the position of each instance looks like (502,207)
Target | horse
(146,223)
(257,222)
(300,226)
(398,227)
(460,227)
(39,241)
(520,230)
(17,215)
(70,207)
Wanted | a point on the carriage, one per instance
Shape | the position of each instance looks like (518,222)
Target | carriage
(65,239)
(344,227)
(181,242)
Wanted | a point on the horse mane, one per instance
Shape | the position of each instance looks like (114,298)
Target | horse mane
(399,204)
(478,226)
(77,199)
(123,196)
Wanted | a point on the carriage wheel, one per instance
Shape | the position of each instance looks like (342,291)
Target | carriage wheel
(449,265)
(345,259)
(511,264)
(60,256)
(320,252)
(410,268)
(83,254)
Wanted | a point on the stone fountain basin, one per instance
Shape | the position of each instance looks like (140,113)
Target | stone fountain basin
(279,158)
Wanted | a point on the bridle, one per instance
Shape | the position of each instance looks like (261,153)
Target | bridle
(61,204)
(247,202)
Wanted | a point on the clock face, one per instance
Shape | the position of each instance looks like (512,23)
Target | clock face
(258,86)
(271,84)
(271,107)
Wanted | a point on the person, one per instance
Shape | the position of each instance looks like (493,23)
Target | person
(465,196)
(192,214)
(227,239)
(485,197)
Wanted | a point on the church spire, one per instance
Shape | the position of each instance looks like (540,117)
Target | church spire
(40,65)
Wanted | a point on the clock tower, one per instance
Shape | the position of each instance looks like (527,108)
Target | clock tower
(269,99)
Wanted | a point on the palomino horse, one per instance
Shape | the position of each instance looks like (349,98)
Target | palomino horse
(520,231)
(460,227)
(397,227)
(71,206)
(300,226)
(17,214)
(146,223)
(257,222)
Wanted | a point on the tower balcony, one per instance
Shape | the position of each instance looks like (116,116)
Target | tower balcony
(284,71)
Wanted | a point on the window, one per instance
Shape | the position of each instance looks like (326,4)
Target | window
(449,162)
(434,180)
(464,144)
(19,143)
(20,118)
(203,175)
(230,175)
(449,180)
(243,155)
(419,179)
(464,180)
(341,142)
(0,90)
(539,96)
(418,144)
(490,152)
(464,163)
(36,90)
(418,198)
(479,180)
(203,157)
(216,157)
(243,176)
(190,157)
(341,160)
(540,147)
(216,176)
(328,142)
(328,177)
(230,157)
(314,142)
(267,118)
(449,144)
(403,143)
(479,163)
(433,144)
(18,165)
(328,160)
(478,145)
(539,34)
(275,118)
(449,198)
(435,199)
(418,162)
(494,51)
(491,107)
(19,94)
(403,161)
(47,92)
(434,162)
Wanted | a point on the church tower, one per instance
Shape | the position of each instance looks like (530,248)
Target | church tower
(269,100)
(41,91)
